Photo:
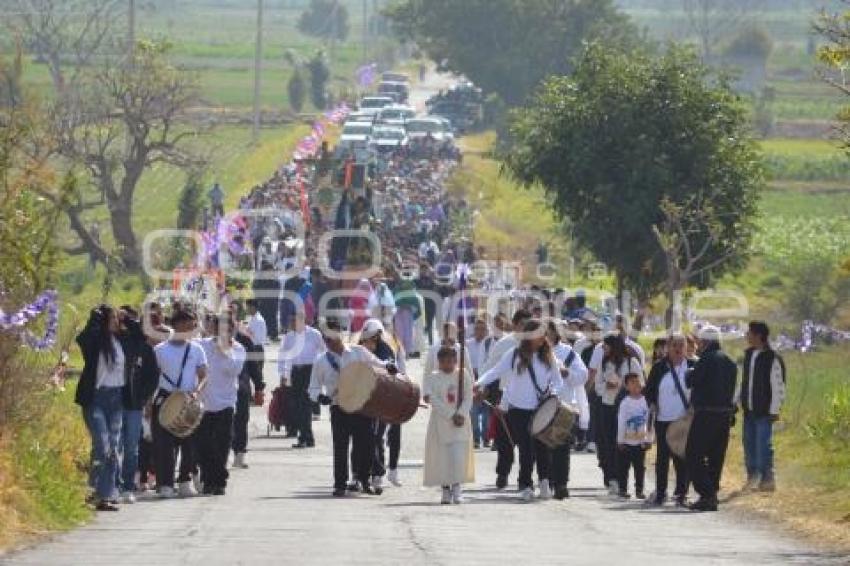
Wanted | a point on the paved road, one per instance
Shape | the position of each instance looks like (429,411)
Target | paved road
(280,511)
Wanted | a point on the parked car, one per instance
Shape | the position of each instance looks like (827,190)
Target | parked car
(374,104)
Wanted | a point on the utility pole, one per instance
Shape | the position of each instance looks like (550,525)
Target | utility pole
(258,67)
(334,30)
(131,31)
(365,31)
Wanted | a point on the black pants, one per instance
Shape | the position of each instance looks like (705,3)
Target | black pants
(707,443)
(212,440)
(393,435)
(531,451)
(430,315)
(561,465)
(268,308)
(301,404)
(355,431)
(165,446)
(593,404)
(606,441)
(662,464)
(631,457)
(240,421)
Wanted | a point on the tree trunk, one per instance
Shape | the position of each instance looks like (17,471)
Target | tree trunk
(121,216)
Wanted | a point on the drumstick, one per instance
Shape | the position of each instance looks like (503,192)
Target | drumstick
(501,418)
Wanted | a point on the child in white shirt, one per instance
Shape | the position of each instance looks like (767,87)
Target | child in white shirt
(634,436)
(449,460)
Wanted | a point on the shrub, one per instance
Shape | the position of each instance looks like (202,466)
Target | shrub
(297,90)
(833,425)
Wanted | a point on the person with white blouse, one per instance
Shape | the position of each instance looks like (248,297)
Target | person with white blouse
(574,373)
(531,373)
(225,359)
(669,397)
(298,351)
(617,362)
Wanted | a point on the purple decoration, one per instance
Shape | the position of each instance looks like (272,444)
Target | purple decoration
(46,302)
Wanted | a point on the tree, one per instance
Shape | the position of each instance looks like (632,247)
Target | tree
(122,119)
(712,20)
(835,59)
(327,19)
(319,76)
(508,46)
(297,91)
(67,35)
(650,160)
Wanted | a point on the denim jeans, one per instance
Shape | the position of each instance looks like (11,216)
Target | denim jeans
(103,420)
(480,415)
(131,432)
(758,447)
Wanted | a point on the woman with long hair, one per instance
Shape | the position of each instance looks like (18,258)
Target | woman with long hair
(533,374)
(100,394)
(617,362)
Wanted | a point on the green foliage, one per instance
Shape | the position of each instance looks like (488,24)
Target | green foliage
(833,426)
(625,133)
(191,202)
(297,89)
(835,55)
(751,41)
(327,19)
(319,76)
(509,46)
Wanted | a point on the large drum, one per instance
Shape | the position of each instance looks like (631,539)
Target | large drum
(552,423)
(180,414)
(677,435)
(373,392)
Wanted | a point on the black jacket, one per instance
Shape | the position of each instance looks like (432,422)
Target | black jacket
(712,382)
(653,382)
(251,369)
(763,390)
(141,372)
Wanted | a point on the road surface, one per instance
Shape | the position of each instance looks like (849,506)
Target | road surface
(280,511)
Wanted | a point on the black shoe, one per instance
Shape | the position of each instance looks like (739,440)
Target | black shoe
(339,492)
(501,482)
(300,445)
(353,487)
(311,444)
(681,501)
(704,505)
(486,444)
(624,495)
(562,493)
(640,495)
(291,435)
(369,490)
(218,491)
(105,505)
(476,445)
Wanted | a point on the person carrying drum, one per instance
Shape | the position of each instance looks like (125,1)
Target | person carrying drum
(346,428)
(183,367)
(532,374)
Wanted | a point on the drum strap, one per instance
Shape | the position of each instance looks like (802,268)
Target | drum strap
(541,394)
(176,386)
(332,361)
(679,387)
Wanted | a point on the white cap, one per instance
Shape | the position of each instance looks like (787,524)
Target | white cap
(371,328)
(709,332)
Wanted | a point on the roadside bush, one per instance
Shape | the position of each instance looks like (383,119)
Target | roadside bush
(833,425)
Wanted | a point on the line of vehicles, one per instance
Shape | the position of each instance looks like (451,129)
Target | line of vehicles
(384,123)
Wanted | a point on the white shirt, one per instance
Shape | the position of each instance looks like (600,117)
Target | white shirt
(478,352)
(169,356)
(325,377)
(111,375)
(633,422)
(257,328)
(670,406)
(599,354)
(299,348)
(520,391)
(577,372)
(223,369)
(497,351)
(610,379)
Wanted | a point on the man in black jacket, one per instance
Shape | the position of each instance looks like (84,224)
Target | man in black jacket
(762,394)
(712,383)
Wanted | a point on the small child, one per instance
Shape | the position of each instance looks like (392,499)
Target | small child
(449,460)
(634,436)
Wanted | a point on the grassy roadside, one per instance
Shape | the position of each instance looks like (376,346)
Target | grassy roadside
(813,473)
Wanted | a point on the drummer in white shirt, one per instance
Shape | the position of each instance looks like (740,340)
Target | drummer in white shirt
(225,358)
(574,373)
(298,350)
(346,428)
(532,373)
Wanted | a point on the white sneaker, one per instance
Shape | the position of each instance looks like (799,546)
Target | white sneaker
(128,497)
(545,490)
(239,461)
(377,481)
(591,448)
(457,494)
(166,492)
(198,484)
(186,490)
(447,496)
(527,494)
(392,477)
